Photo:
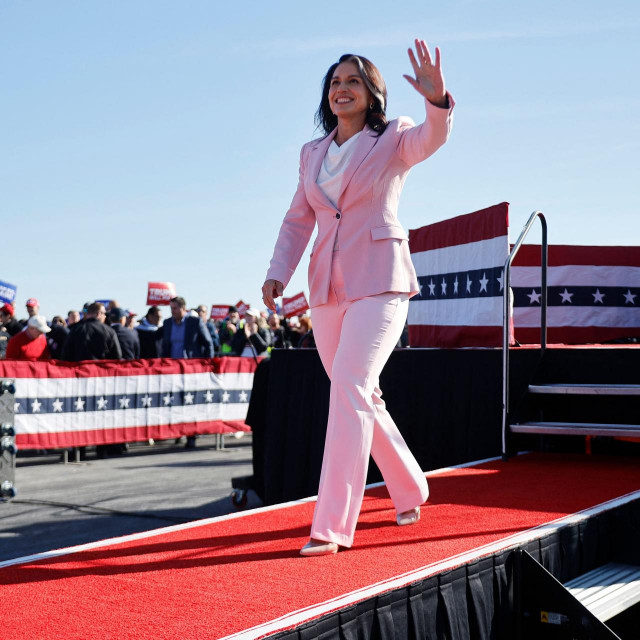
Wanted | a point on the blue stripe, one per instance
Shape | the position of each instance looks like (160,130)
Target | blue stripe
(111,402)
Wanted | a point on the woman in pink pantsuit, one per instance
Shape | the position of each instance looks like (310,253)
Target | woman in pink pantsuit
(360,277)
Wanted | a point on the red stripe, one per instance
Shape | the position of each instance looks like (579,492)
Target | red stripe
(126,434)
(562,254)
(485,224)
(105,368)
(450,337)
(575,335)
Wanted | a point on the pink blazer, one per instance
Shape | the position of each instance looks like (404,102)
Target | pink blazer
(374,248)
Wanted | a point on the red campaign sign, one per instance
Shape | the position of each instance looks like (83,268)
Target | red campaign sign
(219,311)
(294,306)
(241,307)
(159,293)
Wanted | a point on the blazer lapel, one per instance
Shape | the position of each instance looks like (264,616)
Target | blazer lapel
(316,157)
(363,146)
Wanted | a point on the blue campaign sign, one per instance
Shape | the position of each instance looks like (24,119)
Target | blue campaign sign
(7,292)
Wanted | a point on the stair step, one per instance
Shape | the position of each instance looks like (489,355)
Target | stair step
(607,590)
(577,428)
(587,389)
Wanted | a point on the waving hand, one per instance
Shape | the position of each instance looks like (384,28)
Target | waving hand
(429,81)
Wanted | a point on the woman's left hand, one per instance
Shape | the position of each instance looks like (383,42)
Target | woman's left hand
(429,81)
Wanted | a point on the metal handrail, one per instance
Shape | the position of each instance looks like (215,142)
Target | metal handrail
(506,308)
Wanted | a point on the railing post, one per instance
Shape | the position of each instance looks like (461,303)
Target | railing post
(506,315)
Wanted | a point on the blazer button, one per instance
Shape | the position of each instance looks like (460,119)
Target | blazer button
(337,216)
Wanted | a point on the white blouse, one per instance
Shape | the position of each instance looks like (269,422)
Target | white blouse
(333,166)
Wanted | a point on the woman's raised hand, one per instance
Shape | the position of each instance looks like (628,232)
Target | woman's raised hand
(429,80)
(271,289)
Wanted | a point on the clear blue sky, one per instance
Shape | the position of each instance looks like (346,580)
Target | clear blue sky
(155,140)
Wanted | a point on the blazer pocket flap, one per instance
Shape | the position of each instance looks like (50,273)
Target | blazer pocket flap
(389,231)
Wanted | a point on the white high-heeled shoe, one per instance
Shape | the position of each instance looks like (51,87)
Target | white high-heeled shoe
(318,548)
(408,517)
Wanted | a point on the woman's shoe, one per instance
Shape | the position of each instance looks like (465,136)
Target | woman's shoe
(318,548)
(408,517)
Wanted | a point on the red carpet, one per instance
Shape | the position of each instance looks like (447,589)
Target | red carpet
(226,575)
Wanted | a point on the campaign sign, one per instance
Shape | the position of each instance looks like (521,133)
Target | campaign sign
(7,292)
(294,306)
(159,293)
(241,307)
(219,311)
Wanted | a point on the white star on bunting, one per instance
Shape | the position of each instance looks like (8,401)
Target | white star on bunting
(500,280)
(432,288)
(469,282)
(534,297)
(598,297)
(455,285)
(629,298)
(566,296)
(483,283)
(35,406)
(57,405)
(102,402)
(225,396)
(188,398)
(243,396)
(124,403)
(16,407)
(79,404)
(208,396)
(443,286)
(168,399)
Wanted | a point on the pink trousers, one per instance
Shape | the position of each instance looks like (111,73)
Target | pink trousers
(355,339)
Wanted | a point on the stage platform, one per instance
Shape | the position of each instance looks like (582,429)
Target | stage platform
(240,576)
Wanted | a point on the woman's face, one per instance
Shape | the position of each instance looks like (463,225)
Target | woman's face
(348,95)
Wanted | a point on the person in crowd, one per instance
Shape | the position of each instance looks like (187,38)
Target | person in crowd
(229,328)
(128,338)
(33,309)
(72,317)
(276,330)
(8,320)
(31,343)
(57,337)
(360,277)
(306,334)
(185,336)
(92,339)
(150,333)
(4,340)
(251,339)
(130,321)
(202,310)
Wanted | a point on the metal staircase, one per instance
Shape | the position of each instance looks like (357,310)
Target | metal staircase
(574,425)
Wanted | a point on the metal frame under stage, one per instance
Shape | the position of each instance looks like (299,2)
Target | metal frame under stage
(8,446)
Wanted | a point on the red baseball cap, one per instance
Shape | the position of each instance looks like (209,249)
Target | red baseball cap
(32,302)
(7,308)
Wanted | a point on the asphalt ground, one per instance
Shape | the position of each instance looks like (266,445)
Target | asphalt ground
(147,487)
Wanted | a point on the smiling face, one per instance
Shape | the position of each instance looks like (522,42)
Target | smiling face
(348,94)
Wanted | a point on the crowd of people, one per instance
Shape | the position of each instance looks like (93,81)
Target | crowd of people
(101,332)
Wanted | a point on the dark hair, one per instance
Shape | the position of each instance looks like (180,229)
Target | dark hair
(94,308)
(376,116)
(153,310)
(181,302)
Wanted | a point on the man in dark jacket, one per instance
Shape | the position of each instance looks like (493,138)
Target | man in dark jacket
(185,336)
(128,338)
(91,339)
